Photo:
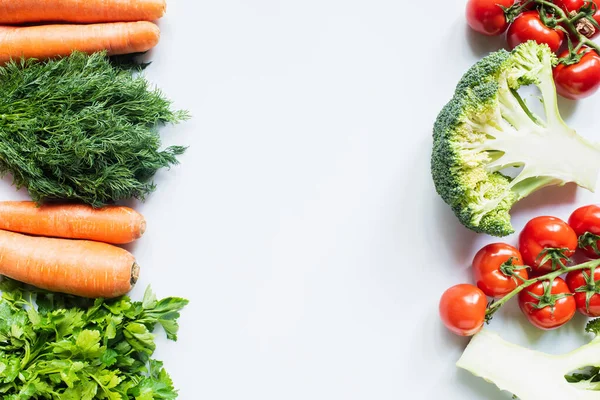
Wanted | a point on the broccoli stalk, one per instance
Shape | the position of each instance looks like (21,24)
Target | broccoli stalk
(487,128)
(572,376)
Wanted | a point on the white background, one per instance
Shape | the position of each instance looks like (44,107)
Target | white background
(303,224)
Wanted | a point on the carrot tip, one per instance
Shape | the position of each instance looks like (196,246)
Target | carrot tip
(135,273)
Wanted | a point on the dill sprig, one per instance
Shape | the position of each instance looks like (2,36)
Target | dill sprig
(81,129)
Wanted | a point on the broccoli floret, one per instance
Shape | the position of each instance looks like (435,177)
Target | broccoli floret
(487,128)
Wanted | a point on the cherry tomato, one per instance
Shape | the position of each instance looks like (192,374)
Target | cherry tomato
(462,309)
(529,26)
(543,233)
(574,6)
(569,5)
(580,80)
(550,316)
(577,280)
(584,220)
(486,269)
(487,17)
(528,7)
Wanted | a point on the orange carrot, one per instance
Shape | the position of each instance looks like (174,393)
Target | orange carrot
(82,11)
(111,224)
(47,41)
(80,267)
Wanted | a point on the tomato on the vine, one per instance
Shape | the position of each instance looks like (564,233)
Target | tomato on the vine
(580,283)
(547,306)
(585,221)
(487,269)
(579,80)
(529,26)
(571,6)
(545,243)
(487,16)
(462,309)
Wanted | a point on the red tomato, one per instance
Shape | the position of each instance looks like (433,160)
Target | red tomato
(576,280)
(529,26)
(462,309)
(487,17)
(580,80)
(543,233)
(587,220)
(570,5)
(575,5)
(528,7)
(486,269)
(551,316)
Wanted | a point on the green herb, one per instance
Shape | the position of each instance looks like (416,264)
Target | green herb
(80,128)
(70,348)
(588,375)
(593,326)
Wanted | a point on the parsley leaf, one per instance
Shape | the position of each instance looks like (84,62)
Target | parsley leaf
(55,346)
(593,326)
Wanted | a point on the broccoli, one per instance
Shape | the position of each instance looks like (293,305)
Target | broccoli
(571,376)
(487,128)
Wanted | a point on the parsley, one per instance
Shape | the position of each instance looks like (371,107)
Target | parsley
(56,346)
(82,128)
(593,326)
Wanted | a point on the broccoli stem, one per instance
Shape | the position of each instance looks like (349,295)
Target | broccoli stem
(514,110)
(550,101)
(524,106)
(527,186)
(525,140)
(502,363)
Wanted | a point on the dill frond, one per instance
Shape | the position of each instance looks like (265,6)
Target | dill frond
(81,129)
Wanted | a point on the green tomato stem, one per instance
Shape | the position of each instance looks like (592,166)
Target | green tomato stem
(520,9)
(578,47)
(569,23)
(576,17)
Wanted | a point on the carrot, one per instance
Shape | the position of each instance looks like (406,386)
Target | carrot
(47,41)
(111,224)
(79,267)
(82,11)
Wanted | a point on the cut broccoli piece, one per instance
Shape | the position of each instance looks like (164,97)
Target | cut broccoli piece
(571,376)
(487,128)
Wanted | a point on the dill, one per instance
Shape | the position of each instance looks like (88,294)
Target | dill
(81,129)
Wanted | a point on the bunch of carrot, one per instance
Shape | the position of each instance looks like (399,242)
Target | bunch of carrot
(69,248)
(50,28)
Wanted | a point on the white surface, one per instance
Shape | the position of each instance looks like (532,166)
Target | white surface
(303,223)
